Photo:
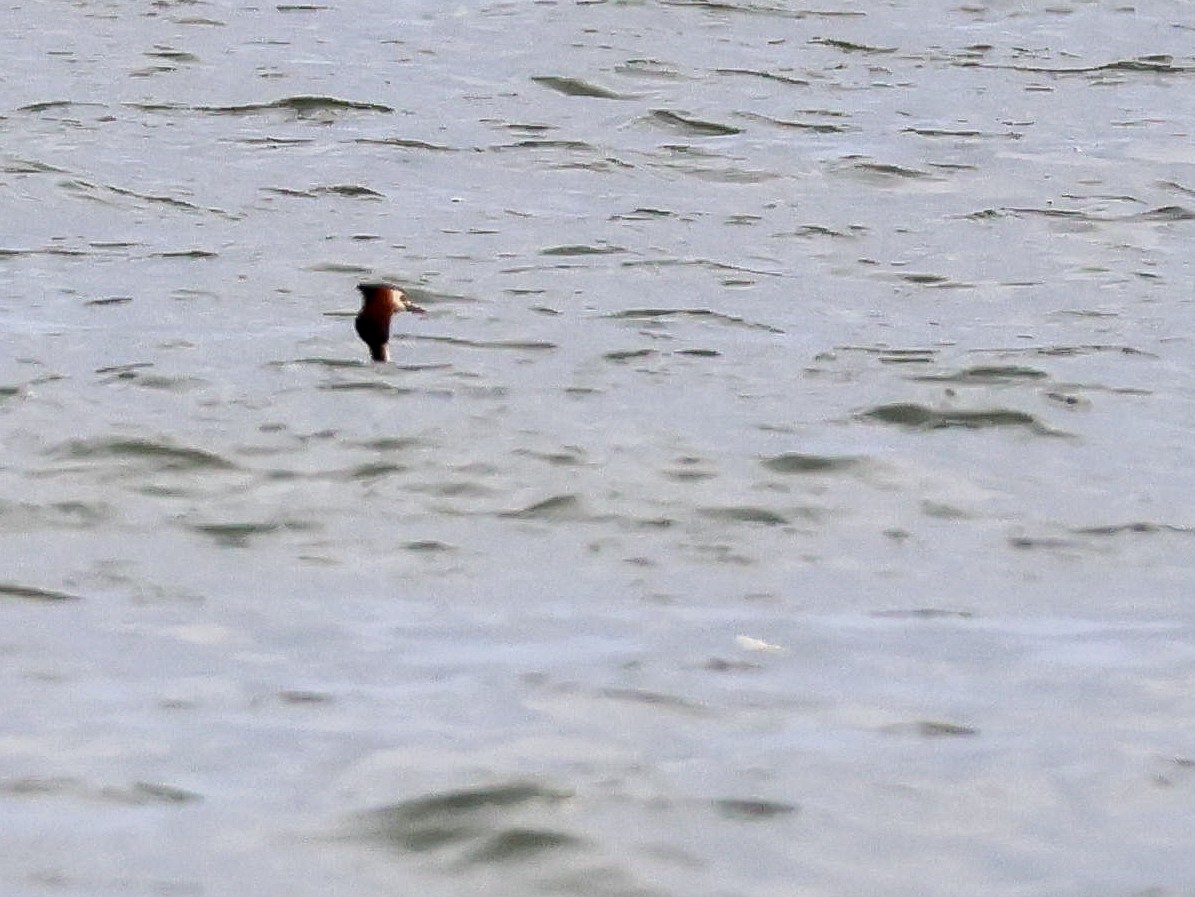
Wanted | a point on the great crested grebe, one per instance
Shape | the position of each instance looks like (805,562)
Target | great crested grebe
(381,302)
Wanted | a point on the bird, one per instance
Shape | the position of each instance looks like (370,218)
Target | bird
(381,302)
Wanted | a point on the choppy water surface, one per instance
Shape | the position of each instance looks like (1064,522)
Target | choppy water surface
(789,491)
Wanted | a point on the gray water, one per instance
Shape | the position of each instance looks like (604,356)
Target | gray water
(788,493)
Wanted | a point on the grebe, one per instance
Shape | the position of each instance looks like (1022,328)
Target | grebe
(382,301)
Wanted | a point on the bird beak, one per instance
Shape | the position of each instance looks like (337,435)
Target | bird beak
(411,306)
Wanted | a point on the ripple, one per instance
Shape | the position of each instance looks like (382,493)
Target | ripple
(429,546)
(1040,543)
(187,254)
(986,374)
(368,386)
(532,345)
(1163,213)
(930,729)
(288,191)
(756,9)
(408,143)
(582,249)
(47,105)
(919,417)
(653,699)
(643,214)
(922,613)
(746,514)
(629,354)
(569,456)
(751,809)
(667,262)
(171,55)
(352,191)
(692,127)
(238,535)
(720,317)
(810,127)
(375,470)
(1159,63)
(769,76)
(303,106)
(648,69)
(32,593)
(393,443)
(558,508)
(96,191)
(940,281)
(796,463)
(14,165)
(323,362)
(1135,528)
(942,132)
(812,231)
(879,173)
(9,252)
(135,794)
(24,516)
(850,47)
(129,374)
(888,355)
(575,87)
(161,455)
(474,815)
(1077,214)
(1090,349)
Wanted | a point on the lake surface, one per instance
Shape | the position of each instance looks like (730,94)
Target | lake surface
(788,492)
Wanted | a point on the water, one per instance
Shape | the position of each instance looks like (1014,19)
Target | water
(788,491)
